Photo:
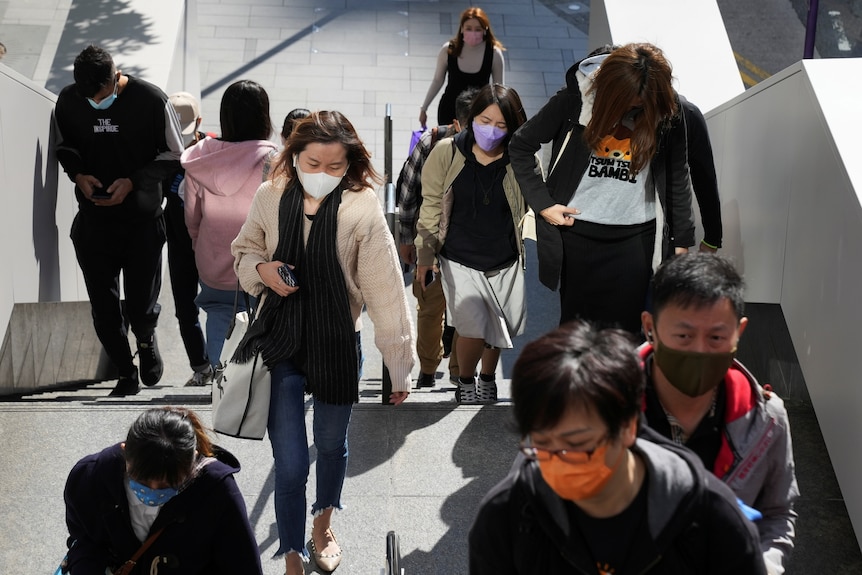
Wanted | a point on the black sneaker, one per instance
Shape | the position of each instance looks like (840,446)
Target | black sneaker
(425,380)
(150,361)
(126,385)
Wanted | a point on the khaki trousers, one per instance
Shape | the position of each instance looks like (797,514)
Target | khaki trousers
(430,319)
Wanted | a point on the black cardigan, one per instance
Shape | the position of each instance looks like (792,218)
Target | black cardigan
(669,172)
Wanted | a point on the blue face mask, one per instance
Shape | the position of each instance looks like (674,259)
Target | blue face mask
(150,496)
(105,103)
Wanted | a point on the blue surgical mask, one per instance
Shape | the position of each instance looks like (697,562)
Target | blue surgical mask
(150,496)
(106,103)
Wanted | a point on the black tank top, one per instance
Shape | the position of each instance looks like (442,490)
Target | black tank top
(459,81)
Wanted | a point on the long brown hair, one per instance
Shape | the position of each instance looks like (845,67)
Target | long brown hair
(456,44)
(630,72)
(327,127)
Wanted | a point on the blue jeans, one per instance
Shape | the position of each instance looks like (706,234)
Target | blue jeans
(218,305)
(290,449)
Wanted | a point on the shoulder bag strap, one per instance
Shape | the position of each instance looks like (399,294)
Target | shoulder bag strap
(232,323)
(127,567)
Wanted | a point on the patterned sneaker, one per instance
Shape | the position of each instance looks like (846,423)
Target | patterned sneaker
(466,394)
(486,391)
(425,380)
(150,361)
(201,378)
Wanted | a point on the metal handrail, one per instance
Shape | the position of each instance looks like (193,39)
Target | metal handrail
(389,203)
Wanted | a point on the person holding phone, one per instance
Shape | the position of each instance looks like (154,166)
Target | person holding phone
(317,223)
(118,138)
(470,223)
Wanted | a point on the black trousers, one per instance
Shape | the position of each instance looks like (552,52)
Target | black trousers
(606,273)
(184,281)
(104,249)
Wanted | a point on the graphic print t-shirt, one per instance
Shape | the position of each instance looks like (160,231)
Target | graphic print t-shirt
(609,193)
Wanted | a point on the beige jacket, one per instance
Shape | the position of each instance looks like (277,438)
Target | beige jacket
(366,252)
(440,170)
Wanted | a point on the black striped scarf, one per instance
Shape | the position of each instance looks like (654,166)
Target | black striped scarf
(313,327)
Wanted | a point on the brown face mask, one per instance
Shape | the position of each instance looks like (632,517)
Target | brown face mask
(693,373)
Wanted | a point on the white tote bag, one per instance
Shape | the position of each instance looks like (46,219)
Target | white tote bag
(241,391)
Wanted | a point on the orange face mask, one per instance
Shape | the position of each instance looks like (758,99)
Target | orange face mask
(579,481)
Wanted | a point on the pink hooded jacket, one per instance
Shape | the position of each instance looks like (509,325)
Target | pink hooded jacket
(221,180)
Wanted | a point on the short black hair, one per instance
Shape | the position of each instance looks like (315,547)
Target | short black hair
(161,445)
(93,70)
(698,279)
(463,103)
(577,364)
(291,119)
(244,113)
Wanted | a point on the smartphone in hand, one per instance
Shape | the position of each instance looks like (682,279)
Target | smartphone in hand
(287,276)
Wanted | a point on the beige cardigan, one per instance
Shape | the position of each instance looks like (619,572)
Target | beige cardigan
(366,252)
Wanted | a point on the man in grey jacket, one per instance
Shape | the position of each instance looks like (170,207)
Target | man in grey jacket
(699,396)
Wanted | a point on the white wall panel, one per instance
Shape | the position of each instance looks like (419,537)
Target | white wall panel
(35,250)
(823,269)
(36,253)
(790,179)
(692,35)
(754,140)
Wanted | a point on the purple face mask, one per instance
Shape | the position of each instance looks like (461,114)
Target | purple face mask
(487,136)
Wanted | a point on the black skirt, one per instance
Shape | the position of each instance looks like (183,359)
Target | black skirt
(606,273)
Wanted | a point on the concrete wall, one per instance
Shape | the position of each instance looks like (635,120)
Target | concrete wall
(47,344)
(39,203)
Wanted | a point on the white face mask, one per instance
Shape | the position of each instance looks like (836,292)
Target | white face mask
(318,185)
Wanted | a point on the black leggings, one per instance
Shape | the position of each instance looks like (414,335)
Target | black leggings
(606,273)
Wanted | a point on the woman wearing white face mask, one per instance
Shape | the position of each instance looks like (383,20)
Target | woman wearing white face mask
(319,216)
(469,222)
(468,60)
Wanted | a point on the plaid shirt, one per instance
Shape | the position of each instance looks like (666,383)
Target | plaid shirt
(410,181)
